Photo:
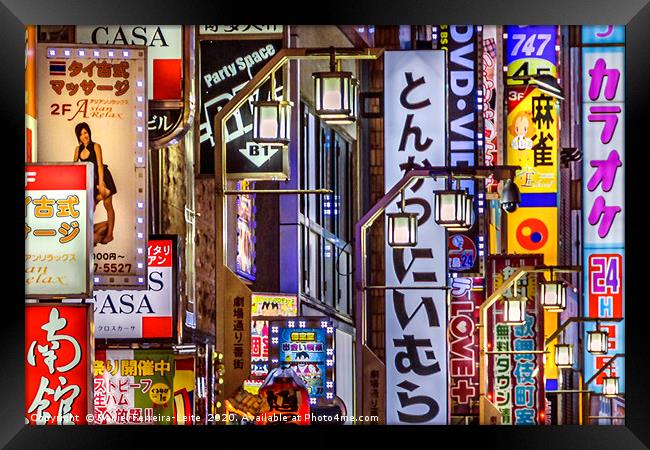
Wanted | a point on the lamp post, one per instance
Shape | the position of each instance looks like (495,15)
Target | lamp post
(498,172)
(279,61)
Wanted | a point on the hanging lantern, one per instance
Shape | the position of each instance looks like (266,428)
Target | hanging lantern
(353,104)
(402,229)
(553,296)
(564,356)
(287,400)
(610,386)
(335,93)
(271,122)
(597,342)
(453,209)
(514,310)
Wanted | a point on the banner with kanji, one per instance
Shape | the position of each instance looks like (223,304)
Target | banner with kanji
(58,356)
(92,107)
(58,222)
(134,387)
(516,381)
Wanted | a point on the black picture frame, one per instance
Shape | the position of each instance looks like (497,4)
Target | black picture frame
(14,14)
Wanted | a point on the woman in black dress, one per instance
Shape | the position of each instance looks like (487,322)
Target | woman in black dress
(105,188)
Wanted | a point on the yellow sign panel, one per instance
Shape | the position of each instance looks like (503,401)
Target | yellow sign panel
(532,139)
(533,230)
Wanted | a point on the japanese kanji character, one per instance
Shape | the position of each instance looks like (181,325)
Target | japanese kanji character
(145,367)
(605,172)
(525,329)
(121,87)
(129,367)
(598,74)
(54,324)
(66,208)
(57,85)
(69,231)
(607,114)
(525,417)
(161,366)
(104,69)
(120,70)
(523,372)
(608,213)
(542,151)
(98,367)
(238,364)
(43,207)
(542,107)
(88,86)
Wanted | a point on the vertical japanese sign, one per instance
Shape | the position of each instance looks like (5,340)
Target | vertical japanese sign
(149,314)
(492,110)
(134,386)
(58,355)
(603,141)
(416,341)
(464,105)
(467,295)
(246,224)
(58,220)
(237,345)
(92,107)
(265,307)
(374,386)
(306,345)
(226,67)
(515,381)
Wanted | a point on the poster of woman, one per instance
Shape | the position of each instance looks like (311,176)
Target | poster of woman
(92,107)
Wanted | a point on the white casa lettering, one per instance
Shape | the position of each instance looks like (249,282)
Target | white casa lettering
(127,302)
(138,35)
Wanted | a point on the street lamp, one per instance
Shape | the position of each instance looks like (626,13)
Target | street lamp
(553,295)
(564,356)
(610,386)
(335,94)
(597,342)
(402,229)
(453,210)
(272,118)
(514,309)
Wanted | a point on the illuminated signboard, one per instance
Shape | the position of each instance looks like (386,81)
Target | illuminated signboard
(464,105)
(149,314)
(492,77)
(58,355)
(134,386)
(306,345)
(467,295)
(414,134)
(245,260)
(603,142)
(516,381)
(92,107)
(58,223)
(530,50)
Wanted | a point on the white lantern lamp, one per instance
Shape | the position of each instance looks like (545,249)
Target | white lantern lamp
(553,295)
(335,94)
(610,386)
(597,342)
(453,209)
(402,228)
(514,310)
(271,119)
(564,356)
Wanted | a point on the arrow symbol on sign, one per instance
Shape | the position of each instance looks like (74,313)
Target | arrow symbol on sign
(258,154)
